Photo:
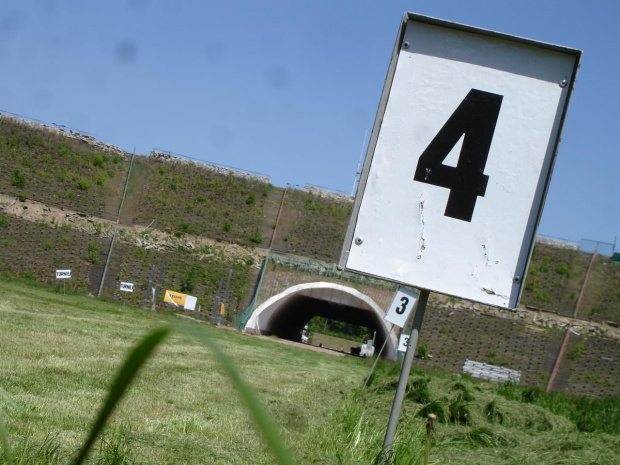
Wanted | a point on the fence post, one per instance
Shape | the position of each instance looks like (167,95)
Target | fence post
(159,278)
(148,287)
(558,360)
(107,261)
(245,316)
(404,376)
(216,303)
(118,217)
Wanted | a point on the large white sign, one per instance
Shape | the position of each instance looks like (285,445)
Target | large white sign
(63,274)
(459,162)
(403,302)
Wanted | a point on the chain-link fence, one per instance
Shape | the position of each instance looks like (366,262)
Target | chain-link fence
(605,249)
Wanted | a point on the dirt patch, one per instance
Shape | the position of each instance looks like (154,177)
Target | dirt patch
(299,344)
(141,236)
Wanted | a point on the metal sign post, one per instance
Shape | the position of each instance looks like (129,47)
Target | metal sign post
(216,303)
(107,262)
(374,365)
(404,374)
(157,286)
(398,313)
(148,287)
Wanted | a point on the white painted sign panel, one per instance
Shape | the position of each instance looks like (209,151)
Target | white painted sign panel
(63,274)
(403,302)
(126,287)
(459,161)
(190,303)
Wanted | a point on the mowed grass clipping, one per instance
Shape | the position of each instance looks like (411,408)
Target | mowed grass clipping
(60,353)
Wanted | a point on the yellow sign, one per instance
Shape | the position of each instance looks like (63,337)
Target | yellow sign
(176,299)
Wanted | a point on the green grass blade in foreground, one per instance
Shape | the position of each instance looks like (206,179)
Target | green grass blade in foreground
(4,438)
(4,435)
(265,424)
(125,376)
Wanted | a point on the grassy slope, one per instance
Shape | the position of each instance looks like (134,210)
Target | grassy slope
(60,352)
(185,198)
(59,171)
(312,226)
(72,174)
(555,278)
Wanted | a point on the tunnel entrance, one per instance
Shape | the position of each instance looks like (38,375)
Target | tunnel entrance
(289,321)
(325,326)
(286,314)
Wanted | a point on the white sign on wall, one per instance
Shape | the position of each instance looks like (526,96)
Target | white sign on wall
(126,287)
(180,300)
(459,161)
(190,303)
(63,274)
(403,302)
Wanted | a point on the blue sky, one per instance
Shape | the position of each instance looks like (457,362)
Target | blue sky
(290,88)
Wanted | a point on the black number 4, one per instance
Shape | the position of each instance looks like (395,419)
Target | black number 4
(475,117)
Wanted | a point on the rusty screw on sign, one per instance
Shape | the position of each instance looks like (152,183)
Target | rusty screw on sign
(430,430)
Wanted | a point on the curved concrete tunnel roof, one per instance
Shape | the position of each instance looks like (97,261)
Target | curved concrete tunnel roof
(286,313)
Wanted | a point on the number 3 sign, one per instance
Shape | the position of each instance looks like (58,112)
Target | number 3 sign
(403,302)
(459,161)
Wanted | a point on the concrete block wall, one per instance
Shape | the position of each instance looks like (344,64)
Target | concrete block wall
(455,334)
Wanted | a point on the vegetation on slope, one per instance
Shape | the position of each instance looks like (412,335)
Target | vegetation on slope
(50,168)
(184,198)
(313,225)
(175,195)
(555,278)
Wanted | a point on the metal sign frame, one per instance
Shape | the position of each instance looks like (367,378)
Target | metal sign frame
(546,170)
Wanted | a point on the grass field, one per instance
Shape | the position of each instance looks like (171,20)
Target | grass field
(59,354)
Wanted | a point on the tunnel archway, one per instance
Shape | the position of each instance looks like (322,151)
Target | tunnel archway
(285,314)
